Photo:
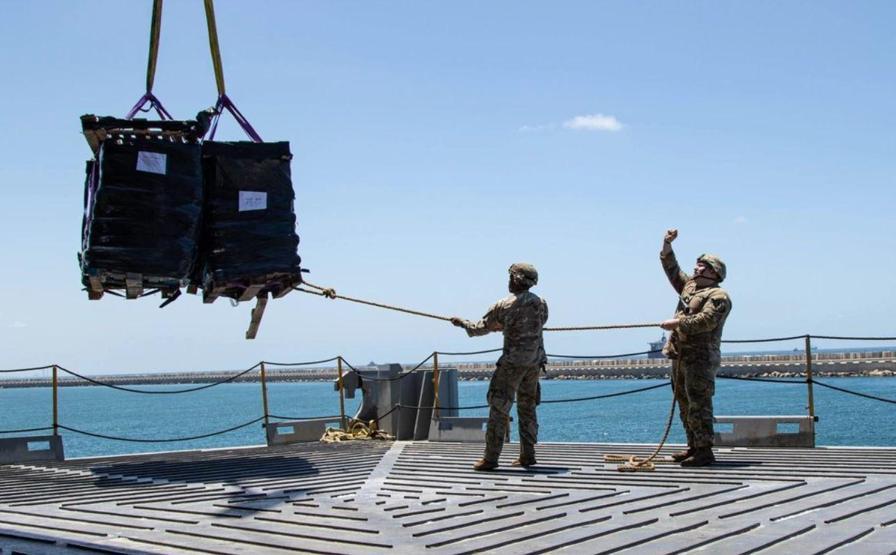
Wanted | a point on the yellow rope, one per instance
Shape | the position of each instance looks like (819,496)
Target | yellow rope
(357,431)
(330,293)
(214,46)
(633,463)
(605,327)
(155,31)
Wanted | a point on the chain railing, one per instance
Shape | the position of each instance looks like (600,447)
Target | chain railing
(261,366)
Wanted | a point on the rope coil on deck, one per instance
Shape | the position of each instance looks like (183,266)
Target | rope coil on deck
(633,463)
(360,430)
(357,430)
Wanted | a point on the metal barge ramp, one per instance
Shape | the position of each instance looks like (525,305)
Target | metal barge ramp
(423,497)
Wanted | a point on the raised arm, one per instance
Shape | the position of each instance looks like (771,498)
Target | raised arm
(670,264)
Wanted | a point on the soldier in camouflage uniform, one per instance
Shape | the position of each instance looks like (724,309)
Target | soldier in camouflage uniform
(694,346)
(520,317)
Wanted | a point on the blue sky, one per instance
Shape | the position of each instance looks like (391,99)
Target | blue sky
(437,143)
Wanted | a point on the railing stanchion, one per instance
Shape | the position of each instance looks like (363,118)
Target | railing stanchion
(809,375)
(341,394)
(264,397)
(55,401)
(435,384)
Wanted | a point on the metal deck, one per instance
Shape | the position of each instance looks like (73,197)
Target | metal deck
(420,497)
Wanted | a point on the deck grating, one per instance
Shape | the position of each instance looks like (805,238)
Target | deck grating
(382,497)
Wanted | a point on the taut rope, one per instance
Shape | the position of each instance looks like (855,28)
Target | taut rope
(330,293)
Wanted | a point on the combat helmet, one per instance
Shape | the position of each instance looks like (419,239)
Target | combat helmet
(525,273)
(715,263)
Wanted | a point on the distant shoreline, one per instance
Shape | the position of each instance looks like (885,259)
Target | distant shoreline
(860,363)
(882,367)
(723,374)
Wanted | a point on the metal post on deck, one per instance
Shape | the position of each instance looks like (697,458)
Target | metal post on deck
(55,401)
(809,375)
(341,394)
(264,396)
(435,384)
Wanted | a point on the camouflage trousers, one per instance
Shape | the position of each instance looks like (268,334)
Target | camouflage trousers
(509,382)
(695,384)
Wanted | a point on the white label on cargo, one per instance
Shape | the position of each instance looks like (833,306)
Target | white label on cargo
(152,162)
(253,200)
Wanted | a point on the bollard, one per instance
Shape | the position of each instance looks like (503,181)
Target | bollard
(341,394)
(264,396)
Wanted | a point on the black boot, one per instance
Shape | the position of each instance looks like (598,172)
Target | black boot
(485,465)
(702,457)
(527,456)
(682,455)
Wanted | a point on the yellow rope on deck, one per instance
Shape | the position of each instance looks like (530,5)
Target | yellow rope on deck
(633,463)
(357,430)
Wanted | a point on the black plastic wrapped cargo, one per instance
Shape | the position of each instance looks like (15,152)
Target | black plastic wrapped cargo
(249,243)
(142,206)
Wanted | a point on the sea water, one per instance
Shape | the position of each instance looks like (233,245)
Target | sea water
(638,418)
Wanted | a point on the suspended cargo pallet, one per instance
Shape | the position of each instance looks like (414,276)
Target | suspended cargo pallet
(249,240)
(166,207)
(142,206)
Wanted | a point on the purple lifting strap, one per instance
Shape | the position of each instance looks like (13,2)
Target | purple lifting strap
(153,103)
(225,102)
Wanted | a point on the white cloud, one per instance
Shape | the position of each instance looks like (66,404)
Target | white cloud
(593,122)
(18,324)
(740,220)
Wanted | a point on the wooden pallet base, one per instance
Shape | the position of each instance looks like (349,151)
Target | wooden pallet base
(129,285)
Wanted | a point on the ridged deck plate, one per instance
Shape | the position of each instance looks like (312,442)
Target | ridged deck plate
(420,497)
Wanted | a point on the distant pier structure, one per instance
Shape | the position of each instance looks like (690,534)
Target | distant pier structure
(656,348)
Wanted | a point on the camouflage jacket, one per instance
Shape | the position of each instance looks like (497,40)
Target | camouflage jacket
(521,317)
(701,312)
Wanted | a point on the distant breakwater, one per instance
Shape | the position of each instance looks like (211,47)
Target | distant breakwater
(879,363)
